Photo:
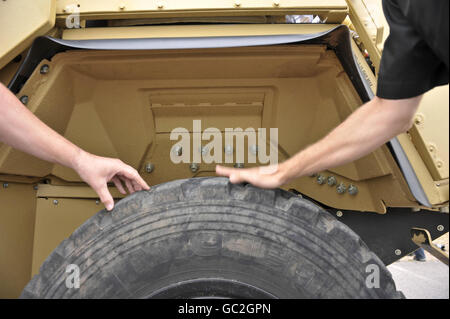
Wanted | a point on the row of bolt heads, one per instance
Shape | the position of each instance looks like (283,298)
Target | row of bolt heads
(44,70)
(331,181)
(194,167)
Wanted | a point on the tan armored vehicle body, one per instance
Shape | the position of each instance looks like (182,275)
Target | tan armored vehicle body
(117,77)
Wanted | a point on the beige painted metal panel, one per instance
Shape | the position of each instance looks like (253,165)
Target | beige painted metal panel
(20,22)
(17,216)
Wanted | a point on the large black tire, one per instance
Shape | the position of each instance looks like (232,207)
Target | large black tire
(206,237)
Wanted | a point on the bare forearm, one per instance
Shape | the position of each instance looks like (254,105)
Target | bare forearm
(372,125)
(21,129)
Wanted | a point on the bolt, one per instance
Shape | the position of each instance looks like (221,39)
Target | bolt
(194,167)
(398,252)
(149,167)
(5,185)
(341,188)
(55,202)
(339,213)
(24,99)
(440,228)
(320,179)
(177,150)
(239,165)
(45,69)
(228,149)
(352,189)
(331,180)
(431,148)
(254,149)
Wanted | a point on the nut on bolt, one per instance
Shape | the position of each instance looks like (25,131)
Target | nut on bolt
(149,167)
(341,188)
(321,179)
(194,167)
(398,252)
(352,189)
(440,228)
(331,180)
(45,69)
(24,99)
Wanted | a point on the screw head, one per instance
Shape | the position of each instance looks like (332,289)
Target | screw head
(55,202)
(194,167)
(331,180)
(398,252)
(24,99)
(254,149)
(45,69)
(341,188)
(228,149)
(339,213)
(352,189)
(149,167)
(320,179)
(440,228)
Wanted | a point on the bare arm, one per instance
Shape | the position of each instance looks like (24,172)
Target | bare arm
(369,127)
(21,129)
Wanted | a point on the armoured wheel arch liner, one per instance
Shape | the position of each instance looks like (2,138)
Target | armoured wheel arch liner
(337,39)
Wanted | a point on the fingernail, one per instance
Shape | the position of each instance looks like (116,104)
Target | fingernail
(109,206)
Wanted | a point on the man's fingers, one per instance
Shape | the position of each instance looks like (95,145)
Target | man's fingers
(225,171)
(128,184)
(119,185)
(105,197)
(133,175)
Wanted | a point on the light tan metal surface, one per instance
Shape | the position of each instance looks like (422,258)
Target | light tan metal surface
(56,219)
(20,22)
(17,216)
(334,10)
(302,90)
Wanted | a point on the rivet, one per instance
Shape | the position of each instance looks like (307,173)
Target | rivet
(320,179)
(177,150)
(352,189)
(194,167)
(254,149)
(341,188)
(24,99)
(331,180)
(149,167)
(45,69)
(339,213)
(228,149)
(398,252)
(440,228)
(439,164)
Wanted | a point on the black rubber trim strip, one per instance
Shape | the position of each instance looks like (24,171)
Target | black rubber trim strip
(337,39)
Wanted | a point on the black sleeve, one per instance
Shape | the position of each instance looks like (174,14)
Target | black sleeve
(409,65)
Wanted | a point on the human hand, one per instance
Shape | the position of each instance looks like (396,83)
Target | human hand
(272,176)
(98,171)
